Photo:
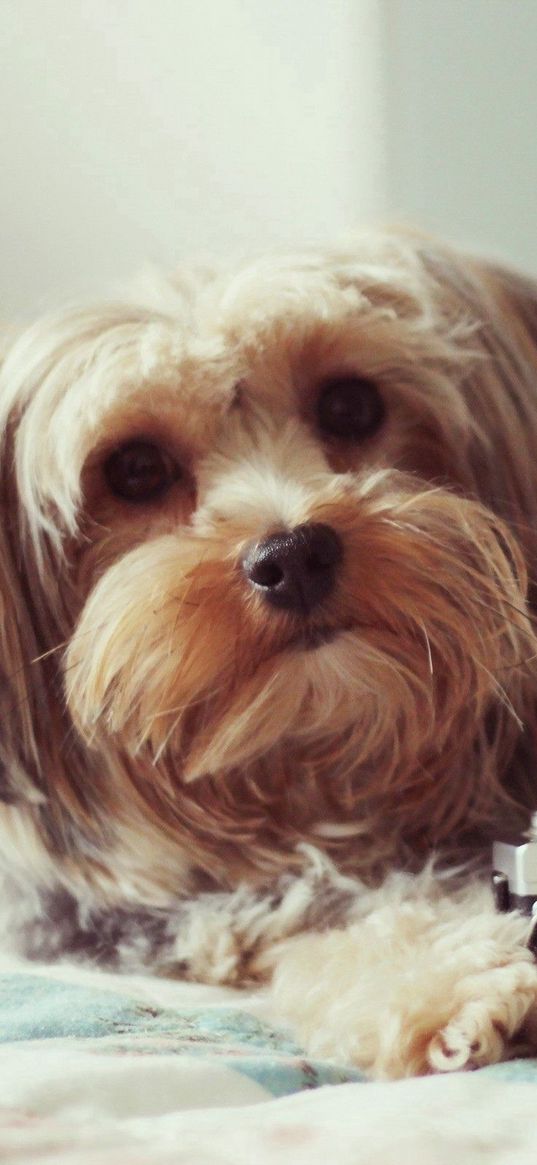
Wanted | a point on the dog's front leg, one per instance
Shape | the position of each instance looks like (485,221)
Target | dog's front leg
(214,937)
(416,976)
(428,981)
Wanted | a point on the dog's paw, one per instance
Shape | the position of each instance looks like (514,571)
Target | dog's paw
(416,987)
(489,1013)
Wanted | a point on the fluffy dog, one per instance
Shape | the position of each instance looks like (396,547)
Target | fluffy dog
(266,641)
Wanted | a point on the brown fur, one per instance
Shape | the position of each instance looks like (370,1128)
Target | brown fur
(197,736)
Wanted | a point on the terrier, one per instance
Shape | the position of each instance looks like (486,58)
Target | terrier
(268,660)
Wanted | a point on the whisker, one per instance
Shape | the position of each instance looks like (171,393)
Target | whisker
(429,653)
(504,698)
(526,615)
(518,663)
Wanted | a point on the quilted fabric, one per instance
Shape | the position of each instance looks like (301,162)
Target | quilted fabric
(98,1069)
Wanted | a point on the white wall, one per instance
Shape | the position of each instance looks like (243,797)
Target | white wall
(152,129)
(461,86)
(136,130)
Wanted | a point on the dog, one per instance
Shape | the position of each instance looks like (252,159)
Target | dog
(268,659)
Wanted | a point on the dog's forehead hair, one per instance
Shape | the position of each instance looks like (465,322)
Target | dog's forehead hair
(118,368)
(98,375)
(114,373)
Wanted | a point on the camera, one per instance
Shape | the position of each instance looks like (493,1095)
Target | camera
(514,872)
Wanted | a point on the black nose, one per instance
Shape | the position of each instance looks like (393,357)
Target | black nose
(295,569)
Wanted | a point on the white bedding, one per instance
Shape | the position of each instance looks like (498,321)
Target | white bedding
(169,1073)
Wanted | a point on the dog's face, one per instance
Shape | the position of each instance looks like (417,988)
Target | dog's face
(261,522)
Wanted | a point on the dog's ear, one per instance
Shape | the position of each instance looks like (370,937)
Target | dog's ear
(516,295)
(497,309)
(505,393)
(495,295)
(507,331)
(43,773)
(24,701)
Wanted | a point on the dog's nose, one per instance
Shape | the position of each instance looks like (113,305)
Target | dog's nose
(295,569)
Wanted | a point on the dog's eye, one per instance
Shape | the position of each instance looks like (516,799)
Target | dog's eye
(350,407)
(140,471)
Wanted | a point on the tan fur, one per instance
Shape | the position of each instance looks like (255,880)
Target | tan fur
(161,725)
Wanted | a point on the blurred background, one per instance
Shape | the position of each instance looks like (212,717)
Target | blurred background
(136,130)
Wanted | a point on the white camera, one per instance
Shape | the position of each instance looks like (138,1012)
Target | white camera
(514,872)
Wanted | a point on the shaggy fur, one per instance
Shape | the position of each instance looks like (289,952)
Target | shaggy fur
(195,781)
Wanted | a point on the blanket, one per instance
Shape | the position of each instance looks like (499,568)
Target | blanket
(98,1069)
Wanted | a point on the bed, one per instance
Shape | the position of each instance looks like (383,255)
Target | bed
(99,1069)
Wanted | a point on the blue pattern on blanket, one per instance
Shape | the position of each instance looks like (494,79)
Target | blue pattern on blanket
(36,1008)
